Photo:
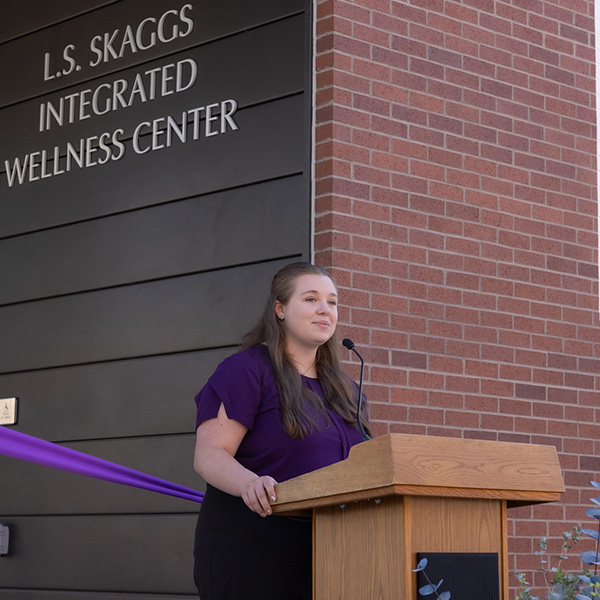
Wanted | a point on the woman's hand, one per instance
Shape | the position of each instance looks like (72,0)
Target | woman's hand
(217,441)
(258,493)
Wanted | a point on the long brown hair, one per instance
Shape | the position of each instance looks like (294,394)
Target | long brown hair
(341,394)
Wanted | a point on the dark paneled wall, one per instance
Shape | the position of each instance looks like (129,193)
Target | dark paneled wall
(124,284)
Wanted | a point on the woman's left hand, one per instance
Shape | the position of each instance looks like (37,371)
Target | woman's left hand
(258,493)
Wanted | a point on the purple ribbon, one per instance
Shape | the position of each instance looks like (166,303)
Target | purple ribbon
(32,449)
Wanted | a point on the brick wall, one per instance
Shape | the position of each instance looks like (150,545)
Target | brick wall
(455,191)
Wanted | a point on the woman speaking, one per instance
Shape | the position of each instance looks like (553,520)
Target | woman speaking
(279,408)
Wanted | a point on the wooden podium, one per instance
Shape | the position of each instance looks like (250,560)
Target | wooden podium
(397,495)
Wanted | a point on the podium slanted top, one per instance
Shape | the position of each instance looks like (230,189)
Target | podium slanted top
(417,465)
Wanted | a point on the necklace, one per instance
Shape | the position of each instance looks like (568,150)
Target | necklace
(309,367)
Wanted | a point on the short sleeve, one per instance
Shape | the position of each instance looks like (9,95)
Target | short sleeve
(237,384)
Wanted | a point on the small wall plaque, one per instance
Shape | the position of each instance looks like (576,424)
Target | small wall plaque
(8,411)
(4,532)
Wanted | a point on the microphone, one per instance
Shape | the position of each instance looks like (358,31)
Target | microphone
(350,345)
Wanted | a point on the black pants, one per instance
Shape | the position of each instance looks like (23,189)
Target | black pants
(242,556)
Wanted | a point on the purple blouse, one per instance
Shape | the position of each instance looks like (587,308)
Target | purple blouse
(244,383)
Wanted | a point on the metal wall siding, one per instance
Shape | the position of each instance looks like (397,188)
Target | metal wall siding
(125,284)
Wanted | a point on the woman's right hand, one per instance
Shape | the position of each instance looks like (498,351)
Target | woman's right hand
(217,441)
(258,493)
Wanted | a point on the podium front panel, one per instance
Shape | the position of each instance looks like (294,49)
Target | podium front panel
(367,550)
(359,551)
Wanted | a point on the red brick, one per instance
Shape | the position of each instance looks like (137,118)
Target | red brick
(574,33)
(350,224)
(535,426)
(444,225)
(351,46)
(335,168)
(371,176)
(371,35)
(481,334)
(426,415)
(370,282)
(410,360)
(497,422)
(480,165)
(444,329)
(446,191)
(389,303)
(461,419)
(348,259)
(370,318)
(443,157)
(417,238)
(371,70)
(387,412)
(331,239)
(426,170)
(445,260)
(367,246)
(388,376)
(389,162)
(462,315)
(498,253)
(444,295)
(496,319)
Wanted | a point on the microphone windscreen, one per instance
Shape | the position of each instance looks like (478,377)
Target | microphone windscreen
(348,343)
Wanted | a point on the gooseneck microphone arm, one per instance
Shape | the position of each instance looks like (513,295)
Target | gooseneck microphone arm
(350,345)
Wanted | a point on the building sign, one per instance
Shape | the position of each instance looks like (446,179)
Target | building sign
(119,93)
